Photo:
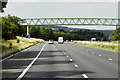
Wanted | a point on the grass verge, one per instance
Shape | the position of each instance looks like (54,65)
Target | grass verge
(100,45)
(10,47)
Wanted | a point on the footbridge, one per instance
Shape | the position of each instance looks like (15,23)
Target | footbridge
(70,21)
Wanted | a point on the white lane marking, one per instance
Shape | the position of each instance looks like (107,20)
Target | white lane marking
(110,59)
(64,53)
(100,55)
(71,60)
(76,65)
(6,58)
(28,67)
(67,56)
(11,56)
(84,75)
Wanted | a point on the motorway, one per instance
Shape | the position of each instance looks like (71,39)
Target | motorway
(66,60)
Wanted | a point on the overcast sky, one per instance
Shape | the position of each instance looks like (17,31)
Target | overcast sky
(60,8)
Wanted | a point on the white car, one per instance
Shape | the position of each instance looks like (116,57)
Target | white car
(51,41)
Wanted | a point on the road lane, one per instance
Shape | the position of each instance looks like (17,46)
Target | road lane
(30,65)
(53,63)
(12,67)
(101,67)
(106,54)
(66,60)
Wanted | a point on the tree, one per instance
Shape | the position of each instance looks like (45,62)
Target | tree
(35,32)
(116,34)
(43,32)
(11,28)
(49,33)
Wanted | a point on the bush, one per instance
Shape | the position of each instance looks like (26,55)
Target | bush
(74,42)
(18,40)
(3,40)
(85,44)
(102,46)
(10,45)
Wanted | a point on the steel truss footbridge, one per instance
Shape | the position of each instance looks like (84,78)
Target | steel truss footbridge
(70,21)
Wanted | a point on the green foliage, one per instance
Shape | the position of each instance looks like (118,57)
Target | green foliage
(3,40)
(43,32)
(83,34)
(18,40)
(10,45)
(35,32)
(116,34)
(49,33)
(11,28)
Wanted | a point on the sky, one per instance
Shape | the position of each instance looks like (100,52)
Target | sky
(64,8)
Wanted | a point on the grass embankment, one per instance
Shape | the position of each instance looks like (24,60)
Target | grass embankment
(12,46)
(101,45)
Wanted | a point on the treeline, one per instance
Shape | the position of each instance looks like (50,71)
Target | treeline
(78,34)
(11,28)
(41,32)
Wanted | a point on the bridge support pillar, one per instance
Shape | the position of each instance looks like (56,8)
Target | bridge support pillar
(28,30)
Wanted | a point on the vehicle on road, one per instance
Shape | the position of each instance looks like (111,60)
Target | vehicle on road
(60,40)
(51,41)
(66,40)
(93,39)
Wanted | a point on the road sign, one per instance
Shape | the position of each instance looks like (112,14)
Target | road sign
(27,36)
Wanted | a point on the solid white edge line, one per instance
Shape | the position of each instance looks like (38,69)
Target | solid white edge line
(84,75)
(67,56)
(10,56)
(14,54)
(6,58)
(28,67)
(64,53)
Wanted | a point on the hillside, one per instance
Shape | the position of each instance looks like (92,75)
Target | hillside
(56,27)
(106,32)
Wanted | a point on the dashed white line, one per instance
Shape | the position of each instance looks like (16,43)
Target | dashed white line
(64,53)
(84,75)
(28,67)
(100,55)
(71,60)
(67,56)
(110,59)
(76,65)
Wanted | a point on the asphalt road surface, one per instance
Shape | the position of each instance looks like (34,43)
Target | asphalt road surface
(66,60)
